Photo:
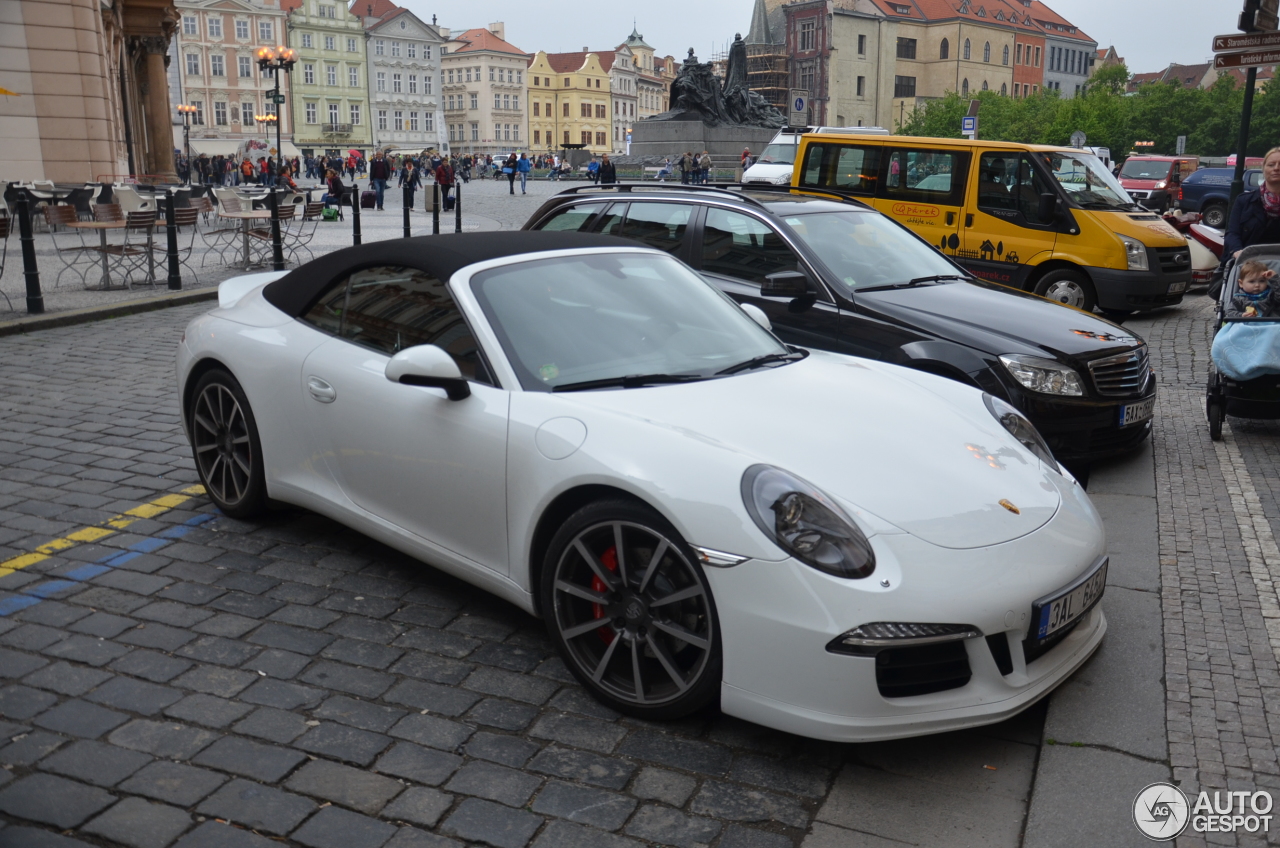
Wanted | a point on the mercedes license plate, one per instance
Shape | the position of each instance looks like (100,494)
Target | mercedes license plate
(1132,413)
(1051,614)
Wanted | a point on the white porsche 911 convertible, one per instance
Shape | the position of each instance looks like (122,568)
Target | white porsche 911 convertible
(830,546)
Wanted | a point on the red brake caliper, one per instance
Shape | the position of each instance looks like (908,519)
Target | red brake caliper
(609,559)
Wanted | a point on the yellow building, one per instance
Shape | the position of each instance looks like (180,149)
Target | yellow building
(569,102)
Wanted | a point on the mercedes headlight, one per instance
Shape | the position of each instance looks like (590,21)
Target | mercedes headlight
(1043,375)
(805,523)
(1021,429)
(1136,252)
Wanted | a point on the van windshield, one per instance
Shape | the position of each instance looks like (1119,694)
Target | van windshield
(864,249)
(780,153)
(1086,181)
(1145,169)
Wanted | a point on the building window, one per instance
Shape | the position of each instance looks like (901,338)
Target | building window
(426,51)
(266,32)
(245,67)
(601,140)
(397,120)
(329,42)
(328,11)
(944,49)
(566,109)
(215,27)
(1037,64)
(246,114)
(413,122)
(566,137)
(984,85)
(311,113)
(806,77)
(515,132)
(906,48)
(379,47)
(584,110)
(193,64)
(355,114)
(862,86)
(331,74)
(986,52)
(1004,89)
(491,75)
(220,113)
(382,81)
(189,25)
(412,50)
(602,111)
(497,101)
(351,46)
(904,86)
(1017,55)
(197,118)
(395,48)
(426,85)
(448,102)
(808,34)
(382,119)
(1005,59)
(964,87)
(537,136)
(450,77)
(333,113)
(475,100)
(217,65)
(242,29)
(413,83)
(353,76)
(506,101)
(428,123)
(519,81)
(395,84)
(967,51)
(862,45)
(536,112)
(586,137)
(306,40)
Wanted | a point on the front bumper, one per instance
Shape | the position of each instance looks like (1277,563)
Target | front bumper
(1133,291)
(776,619)
(1085,428)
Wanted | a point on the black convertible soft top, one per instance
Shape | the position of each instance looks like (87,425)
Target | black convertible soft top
(439,256)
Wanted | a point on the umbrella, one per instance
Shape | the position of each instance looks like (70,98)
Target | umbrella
(353,152)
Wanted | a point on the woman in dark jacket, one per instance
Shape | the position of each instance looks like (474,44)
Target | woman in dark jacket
(1255,217)
(410,177)
(608,173)
(509,166)
(334,182)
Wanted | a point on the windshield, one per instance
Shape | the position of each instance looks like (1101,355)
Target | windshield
(864,249)
(779,154)
(1087,181)
(609,315)
(1145,169)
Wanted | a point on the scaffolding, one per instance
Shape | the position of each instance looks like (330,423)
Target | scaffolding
(767,74)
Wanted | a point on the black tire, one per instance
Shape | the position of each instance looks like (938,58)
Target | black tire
(1216,416)
(632,647)
(1070,287)
(1214,215)
(225,445)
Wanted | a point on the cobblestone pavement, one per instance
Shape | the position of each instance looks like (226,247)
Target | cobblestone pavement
(187,679)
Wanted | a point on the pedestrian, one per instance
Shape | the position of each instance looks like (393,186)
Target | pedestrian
(704,168)
(444,178)
(379,173)
(509,171)
(608,173)
(1255,217)
(410,179)
(686,168)
(336,189)
(286,178)
(593,170)
(246,171)
(1258,297)
(523,167)
(747,162)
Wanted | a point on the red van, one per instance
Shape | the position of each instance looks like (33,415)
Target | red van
(1156,181)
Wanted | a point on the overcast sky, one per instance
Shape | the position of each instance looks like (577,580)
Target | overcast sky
(1149,34)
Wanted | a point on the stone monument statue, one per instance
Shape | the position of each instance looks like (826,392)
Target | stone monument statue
(697,95)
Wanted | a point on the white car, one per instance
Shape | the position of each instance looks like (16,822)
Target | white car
(831,546)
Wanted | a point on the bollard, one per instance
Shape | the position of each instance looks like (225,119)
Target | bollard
(457,206)
(407,203)
(355,213)
(171,233)
(35,300)
(435,209)
(277,249)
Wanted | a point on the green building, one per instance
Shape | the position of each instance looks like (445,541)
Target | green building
(329,95)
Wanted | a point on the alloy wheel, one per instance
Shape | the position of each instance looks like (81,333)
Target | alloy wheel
(633,613)
(223,449)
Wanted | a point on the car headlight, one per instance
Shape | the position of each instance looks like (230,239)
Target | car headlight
(805,523)
(1021,429)
(782,180)
(1136,252)
(1043,375)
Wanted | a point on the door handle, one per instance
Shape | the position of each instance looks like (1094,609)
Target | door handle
(321,391)
(968,219)
(951,218)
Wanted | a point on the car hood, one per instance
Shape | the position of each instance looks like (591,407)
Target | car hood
(998,320)
(915,450)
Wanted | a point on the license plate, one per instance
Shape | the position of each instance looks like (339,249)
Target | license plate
(1174,288)
(1132,413)
(1057,611)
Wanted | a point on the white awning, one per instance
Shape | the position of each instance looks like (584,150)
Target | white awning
(289,150)
(214,146)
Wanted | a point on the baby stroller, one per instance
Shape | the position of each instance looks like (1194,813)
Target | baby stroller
(1244,376)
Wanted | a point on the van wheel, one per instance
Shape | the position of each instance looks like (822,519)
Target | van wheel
(1214,216)
(1069,287)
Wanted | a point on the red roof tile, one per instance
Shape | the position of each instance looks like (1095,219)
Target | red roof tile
(478,39)
(373,8)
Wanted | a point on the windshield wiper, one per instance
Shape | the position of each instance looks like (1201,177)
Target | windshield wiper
(766,359)
(918,281)
(629,381)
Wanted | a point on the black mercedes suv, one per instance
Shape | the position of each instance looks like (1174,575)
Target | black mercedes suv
(837,275)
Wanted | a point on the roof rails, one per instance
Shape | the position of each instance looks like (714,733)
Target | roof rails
(677,188)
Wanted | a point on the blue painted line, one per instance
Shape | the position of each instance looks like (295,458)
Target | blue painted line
(87,572)
(9,606)
(44,590)
(200,519)
(174,532)
(122,558)
(146,546)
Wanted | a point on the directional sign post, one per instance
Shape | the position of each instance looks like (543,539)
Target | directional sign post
(1247,59)
(1245,41)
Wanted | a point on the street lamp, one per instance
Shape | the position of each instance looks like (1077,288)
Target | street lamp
(187,111)
(275,60)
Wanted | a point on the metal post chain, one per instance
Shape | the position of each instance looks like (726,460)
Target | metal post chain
(457,206)
(408,206)
(171,234)
(277,248)
(35,300)
(355,211)
(435,209)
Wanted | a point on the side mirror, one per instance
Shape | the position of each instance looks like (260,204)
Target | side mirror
(1048,208)
(756,314)
(428,365)
(790,283)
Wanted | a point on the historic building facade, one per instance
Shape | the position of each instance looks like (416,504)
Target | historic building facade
(329,93)
(652,89)
(405,82)
(570,102)
(484,91)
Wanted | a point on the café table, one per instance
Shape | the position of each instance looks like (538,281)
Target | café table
(102,227)
(246,218)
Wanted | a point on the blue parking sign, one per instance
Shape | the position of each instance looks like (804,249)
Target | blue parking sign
(968,124)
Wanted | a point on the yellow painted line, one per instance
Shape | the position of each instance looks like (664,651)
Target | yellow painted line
(91,534)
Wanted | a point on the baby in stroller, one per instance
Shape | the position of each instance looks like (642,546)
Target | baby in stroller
(1244,379)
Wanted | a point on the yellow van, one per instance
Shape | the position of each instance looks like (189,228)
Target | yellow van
(1052,220)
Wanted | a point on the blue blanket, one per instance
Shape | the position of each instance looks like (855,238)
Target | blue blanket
(1245,350)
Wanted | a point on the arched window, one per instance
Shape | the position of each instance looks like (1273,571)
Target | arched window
(1006,55)
(1004,90)
(986,52)
(966,49)
(984,85)
(944,51)
(964,87)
